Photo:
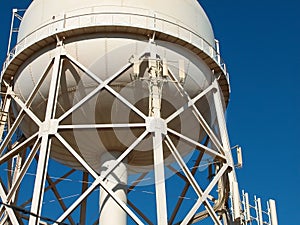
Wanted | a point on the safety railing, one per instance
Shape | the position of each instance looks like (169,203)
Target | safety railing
(77,19)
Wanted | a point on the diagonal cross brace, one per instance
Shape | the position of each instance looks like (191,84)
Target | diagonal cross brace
(202,195)
(99,179)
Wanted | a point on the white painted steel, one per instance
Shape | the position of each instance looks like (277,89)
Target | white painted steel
(16,150)
(14,11)
(201,195)
(5,104)
(46,141)
(187,14)
(273,213)
(110,211)
(104,65)
(234,189)
(96,183)
(10,212)
(23,170)
(156,83)
(209,151)
(101,55)
(204,197)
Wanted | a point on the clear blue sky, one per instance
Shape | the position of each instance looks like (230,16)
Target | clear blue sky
(260,44)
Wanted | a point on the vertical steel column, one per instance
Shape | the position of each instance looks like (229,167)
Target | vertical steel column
(4,111)
(155,96)
(222,127)
(47,128)
(227,150)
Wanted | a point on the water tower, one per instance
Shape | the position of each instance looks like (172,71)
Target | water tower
(131,95)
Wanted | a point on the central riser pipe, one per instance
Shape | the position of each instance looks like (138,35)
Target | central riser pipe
(110,211)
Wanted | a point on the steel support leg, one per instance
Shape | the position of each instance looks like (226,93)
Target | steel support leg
(155,97)
(39,186)
(227,150)
(4,112)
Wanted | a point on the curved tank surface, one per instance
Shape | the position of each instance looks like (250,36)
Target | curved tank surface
(104,51)
(187,13)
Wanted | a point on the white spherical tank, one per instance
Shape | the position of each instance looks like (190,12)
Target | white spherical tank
(104,35)
(187,13)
